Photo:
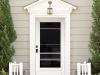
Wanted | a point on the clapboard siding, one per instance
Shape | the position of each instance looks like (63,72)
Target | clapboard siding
(81,17)
(79,44)
(20,17)
(26,65)
(79,58)
(75,3)
(18,10)
(80,31)
(22,30)
(21,45)
(79,51)
(86,24)
(83,9)
(75,38)
(21,58)
(73,72)
(27,72)
(73,66)
(21,24)
(81,22)
(22,52)
(22,38)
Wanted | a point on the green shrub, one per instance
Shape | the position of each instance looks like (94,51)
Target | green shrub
(2,72)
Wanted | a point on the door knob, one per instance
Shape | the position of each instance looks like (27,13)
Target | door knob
(36,50)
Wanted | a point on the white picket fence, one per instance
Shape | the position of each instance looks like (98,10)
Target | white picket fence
(15,68)
(83,68)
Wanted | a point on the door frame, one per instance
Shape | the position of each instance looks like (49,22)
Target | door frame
(33,42)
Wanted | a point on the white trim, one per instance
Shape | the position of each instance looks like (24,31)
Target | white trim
(62,46)
(67,44)
(32,43)
(34,3)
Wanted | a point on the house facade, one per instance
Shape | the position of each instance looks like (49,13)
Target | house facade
(74,42)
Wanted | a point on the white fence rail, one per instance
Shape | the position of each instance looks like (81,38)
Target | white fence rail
(83,68)
(15,68)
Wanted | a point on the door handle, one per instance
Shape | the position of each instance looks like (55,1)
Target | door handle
(36,50)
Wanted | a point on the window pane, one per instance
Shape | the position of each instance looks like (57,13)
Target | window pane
(49,63)
(49,48)
(49,56)
(50,36)
(50,43)
(50,24)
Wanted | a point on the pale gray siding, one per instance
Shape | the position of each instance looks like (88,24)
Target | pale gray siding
(81,22)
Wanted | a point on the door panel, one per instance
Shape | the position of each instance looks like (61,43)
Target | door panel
(49,47)
(50,73)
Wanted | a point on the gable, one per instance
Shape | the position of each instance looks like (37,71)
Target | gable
(56,5)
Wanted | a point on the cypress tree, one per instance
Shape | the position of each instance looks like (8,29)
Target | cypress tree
(94,44)
(7,35)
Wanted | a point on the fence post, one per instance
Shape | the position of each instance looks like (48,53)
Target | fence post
(78,69)
(89,69)
(10,68)
(21,68)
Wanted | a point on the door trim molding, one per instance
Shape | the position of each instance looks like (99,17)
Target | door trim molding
(33,42)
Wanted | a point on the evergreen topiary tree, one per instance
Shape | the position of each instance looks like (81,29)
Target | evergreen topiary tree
(94,45)
(7,35)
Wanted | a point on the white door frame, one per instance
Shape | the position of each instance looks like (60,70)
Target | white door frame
(33,41)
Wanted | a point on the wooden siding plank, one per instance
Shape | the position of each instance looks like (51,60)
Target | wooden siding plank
(18,10)
(73,72)
(20,16)
(26,66)
(80,38)
(22,30)
(75,59)
(80,30)
(78,23)
(81,17)
(83,9)
(78,3)
(27,72)
(22,52)
(81,52)
(22,38)
(20,3)
(79,45)
(75,3)
(74,65)
(21,45)
(21,24)
(21,58)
